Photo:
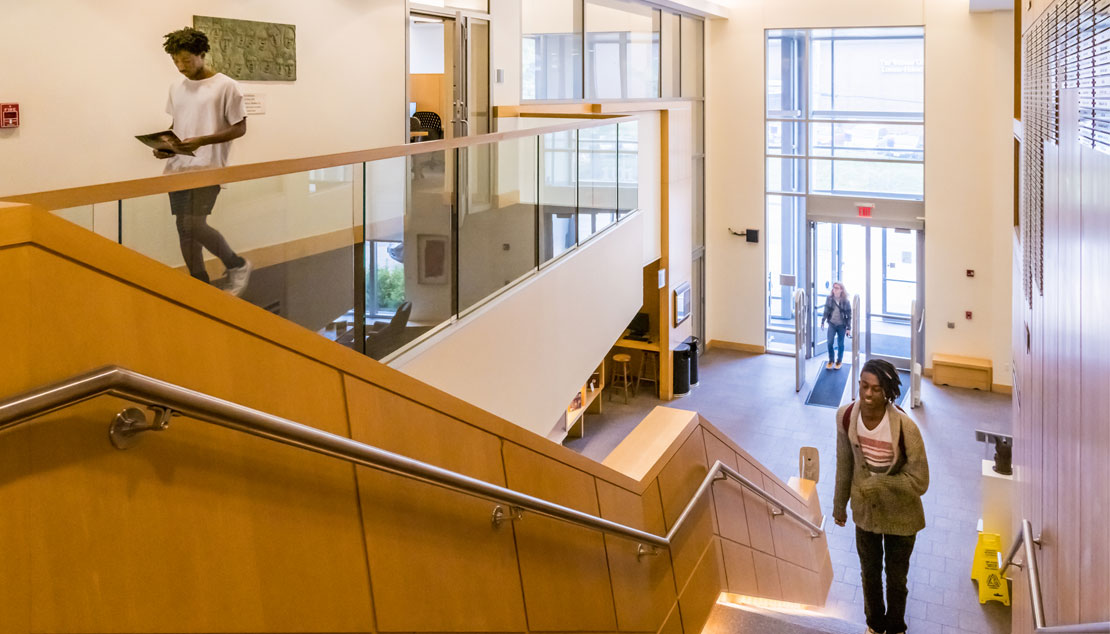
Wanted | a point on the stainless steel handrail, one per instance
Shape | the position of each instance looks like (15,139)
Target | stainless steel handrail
(1026,538)
(167,399)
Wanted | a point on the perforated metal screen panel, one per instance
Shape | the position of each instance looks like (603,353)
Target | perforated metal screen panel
(1068,48)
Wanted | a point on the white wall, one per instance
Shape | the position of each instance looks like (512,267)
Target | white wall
(426,48)
(505,50)
(968,165)
(969,182)
(84,97)
(525,354)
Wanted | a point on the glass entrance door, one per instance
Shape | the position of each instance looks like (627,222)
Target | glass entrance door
(882,266)
(893,283)
(471,112)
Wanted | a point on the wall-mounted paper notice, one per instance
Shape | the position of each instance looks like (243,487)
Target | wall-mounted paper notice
(255,102)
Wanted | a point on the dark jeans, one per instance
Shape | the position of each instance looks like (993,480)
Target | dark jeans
(898,548)
(838,333)
(191,208)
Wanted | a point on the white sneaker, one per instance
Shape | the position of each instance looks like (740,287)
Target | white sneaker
(238,278)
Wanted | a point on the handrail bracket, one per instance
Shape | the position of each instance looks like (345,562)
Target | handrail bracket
(501,515)
(125,428)
(646,551)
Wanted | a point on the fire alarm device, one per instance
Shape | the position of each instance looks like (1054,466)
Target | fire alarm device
(9,115)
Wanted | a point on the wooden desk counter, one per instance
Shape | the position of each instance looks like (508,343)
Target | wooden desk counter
(634,344)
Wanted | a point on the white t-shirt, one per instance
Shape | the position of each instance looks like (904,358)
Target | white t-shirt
(877,444)
(201,107)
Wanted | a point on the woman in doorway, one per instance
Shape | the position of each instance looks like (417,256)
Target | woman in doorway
(838,314)
(882,469)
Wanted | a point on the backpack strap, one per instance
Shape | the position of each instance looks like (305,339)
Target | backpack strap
(847,418)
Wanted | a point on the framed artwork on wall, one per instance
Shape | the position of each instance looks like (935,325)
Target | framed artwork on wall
(681,303)
(431,255)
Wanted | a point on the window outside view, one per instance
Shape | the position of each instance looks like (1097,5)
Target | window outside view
(844,117)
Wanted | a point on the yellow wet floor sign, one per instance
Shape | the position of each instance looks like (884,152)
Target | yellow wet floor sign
(992,586)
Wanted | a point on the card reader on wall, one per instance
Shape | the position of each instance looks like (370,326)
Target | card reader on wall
(752,235)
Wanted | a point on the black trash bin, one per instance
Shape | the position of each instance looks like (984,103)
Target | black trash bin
(693,343)
(681,370)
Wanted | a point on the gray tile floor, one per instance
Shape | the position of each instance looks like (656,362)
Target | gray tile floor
(752,399)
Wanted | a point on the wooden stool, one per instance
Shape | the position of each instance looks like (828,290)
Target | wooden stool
(649,370)
(621,379)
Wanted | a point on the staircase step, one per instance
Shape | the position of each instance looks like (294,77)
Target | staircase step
(736,619)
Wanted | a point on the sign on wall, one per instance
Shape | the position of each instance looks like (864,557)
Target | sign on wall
(250,51)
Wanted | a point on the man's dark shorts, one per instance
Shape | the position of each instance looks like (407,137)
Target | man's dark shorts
(194,202)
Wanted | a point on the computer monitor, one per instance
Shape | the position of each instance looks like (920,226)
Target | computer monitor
(412,108)
(640,324)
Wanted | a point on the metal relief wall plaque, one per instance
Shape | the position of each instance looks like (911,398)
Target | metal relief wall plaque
(250,51)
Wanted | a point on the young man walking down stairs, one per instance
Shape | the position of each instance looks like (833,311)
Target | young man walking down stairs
(208,113)
(882,469)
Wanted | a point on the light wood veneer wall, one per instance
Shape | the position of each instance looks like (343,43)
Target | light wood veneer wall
(202,529)
(1061,351)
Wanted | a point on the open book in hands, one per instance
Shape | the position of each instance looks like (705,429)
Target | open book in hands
(165,141)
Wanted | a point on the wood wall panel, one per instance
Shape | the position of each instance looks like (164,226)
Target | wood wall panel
(15,456)
(181,534)
(207,356)
(697,598)
(643,588)
(193,489)
(559,562)
(422,539)
(689,542)
(427,90)
(1067,393)
(767,575)
(730,519)
(673,625)
(224,531)
(739,568)
(756,509)
(800,585)
(682,476)
(1062,396)
(791,538)
(1094,379)
(678,481)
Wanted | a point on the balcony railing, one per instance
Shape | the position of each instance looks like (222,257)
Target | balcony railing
(380,249)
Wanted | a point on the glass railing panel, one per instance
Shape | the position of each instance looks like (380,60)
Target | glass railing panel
(597,180)
(497,231)
(375,256)
(384,271)
(421,253)
(298,232)
(558,192)
(628,167)
(81,216)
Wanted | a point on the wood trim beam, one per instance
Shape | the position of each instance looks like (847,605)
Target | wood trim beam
(739,347)
(122,190)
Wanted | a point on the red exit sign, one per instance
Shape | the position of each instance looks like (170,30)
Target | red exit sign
(864,209)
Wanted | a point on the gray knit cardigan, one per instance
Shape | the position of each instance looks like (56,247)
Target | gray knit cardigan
(885,502)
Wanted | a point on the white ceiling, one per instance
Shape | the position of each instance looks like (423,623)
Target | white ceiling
(977,6)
